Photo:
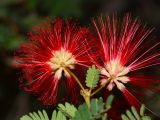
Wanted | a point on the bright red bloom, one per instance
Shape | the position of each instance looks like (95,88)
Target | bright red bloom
(125,47)
(42,57)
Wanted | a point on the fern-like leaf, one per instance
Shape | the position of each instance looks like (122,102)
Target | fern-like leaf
(36,116)
(97,106)
(43,116)
(92,77)
(97,111)
(68,109)
(83,113)
(58,115)
(133,114)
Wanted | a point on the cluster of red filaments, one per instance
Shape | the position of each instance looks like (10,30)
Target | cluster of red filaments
(61,49)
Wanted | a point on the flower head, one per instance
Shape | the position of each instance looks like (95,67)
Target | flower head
(117,73)
(42,59)
(125,46)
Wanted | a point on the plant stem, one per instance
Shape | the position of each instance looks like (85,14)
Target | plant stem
(75,77)
(84,92)
(86,95)
(102,86)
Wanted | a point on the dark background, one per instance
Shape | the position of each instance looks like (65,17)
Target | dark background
(18,16)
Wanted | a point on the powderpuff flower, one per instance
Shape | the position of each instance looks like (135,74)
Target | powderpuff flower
(125,46)
(51,47)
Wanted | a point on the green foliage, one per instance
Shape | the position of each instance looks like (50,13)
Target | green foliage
(133,115)
(97,107)
(43,116)
(109,102)
(68,109)
(97,111)
(8,39)
(58,115)
(92,77)
(36,116)
(142,110)
(83,113)
(18,16)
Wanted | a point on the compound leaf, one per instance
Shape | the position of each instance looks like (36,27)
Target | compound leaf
(36,116)
(92,77)
(68,109)
(133,114)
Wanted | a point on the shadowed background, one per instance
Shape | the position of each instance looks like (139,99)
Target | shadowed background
(18,16)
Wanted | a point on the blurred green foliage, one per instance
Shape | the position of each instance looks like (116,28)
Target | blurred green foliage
(18,16)
(8,39)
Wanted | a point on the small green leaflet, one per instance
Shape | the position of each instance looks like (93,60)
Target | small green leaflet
(109,102)
(92,77)
(142,110)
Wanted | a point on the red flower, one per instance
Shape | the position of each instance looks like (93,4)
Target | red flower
(42,57)
(125,46)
